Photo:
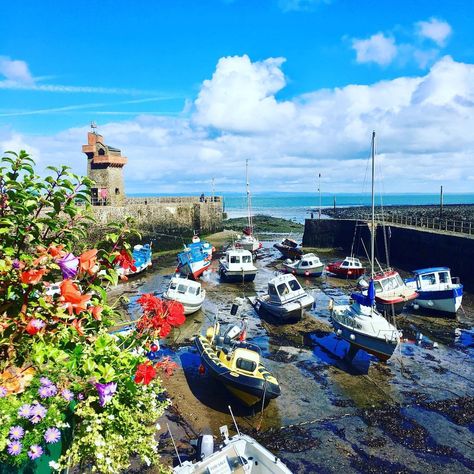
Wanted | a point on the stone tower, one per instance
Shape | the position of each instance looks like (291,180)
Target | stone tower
(105,166)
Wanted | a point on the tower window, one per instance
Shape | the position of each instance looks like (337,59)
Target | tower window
(117,191)
(101,151)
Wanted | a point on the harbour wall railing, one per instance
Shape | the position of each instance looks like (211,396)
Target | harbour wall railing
(434,223)
(408,247)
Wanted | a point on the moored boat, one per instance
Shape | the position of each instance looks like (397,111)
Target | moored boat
(195,258)
(188,292)
(141,256)
(289,248)
(436,289)
(285,299)
(350,267)
(310,266)
(237,266)
(237,364)
(391,292)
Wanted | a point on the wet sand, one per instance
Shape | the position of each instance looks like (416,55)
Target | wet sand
(413,414)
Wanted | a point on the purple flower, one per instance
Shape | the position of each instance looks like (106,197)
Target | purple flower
(37,323)
(24,411)
(68,265)
(14,448)
(105,391)
(3,392)
(16,432)
(35,451)
(80,396)
(52,435)
(46,391)
(45,381)
(37,413)
(67,394)
(16,264)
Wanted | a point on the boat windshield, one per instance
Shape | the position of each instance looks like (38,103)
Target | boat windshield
(234,259)
(443,277)
(246,259)
(173,285)
(283,289)
(182,288)
(392,283)
(192,290)
(428,279)
(294,285)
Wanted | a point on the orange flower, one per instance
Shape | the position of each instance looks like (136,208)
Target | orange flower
(77,325)
(88,261)
(32,277)
(56,251)
(97,312)
(72,297)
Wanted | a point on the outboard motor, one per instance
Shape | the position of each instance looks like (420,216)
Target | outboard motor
(231,333)
(204,446)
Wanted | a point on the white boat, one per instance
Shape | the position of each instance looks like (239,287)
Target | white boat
(237,266)
(248,241)
(310,266)
(236,454)
(360,323)
(436,289)
(187,292)
(285,299)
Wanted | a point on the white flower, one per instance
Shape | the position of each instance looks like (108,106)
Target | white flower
(89,429)
(158,427)
(147,460)
(111,417)
(54,465)
(108,460)
(99,456)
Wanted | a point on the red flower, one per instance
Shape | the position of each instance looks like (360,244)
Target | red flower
(151,303)
(175,313)
(34,326)
(167,365)
(72,297)
(125,260)
(145,373)
(88,261)
(32,277)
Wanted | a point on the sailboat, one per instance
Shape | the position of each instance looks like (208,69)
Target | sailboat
(248,241)
(360,323)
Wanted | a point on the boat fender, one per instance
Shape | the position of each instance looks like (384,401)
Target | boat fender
(331,304)
(201,370)
(234,309)
(339,332)
(352,336)
(204,446)
(416,306)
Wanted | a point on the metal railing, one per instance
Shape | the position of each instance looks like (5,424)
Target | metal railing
(432,223)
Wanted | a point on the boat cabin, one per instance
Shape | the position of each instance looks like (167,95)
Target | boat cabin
(433,278)
(387,281)
(284,288)
(242,360)
(351,262)
(183,286)
(309,260)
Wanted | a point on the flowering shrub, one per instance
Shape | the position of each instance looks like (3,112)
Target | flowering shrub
(60,369)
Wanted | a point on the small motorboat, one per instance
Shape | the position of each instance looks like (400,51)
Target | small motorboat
(350,267)
(195,259)
(248,241)
(237,266)
(436,289)
(309,266)
(391,292)
(286,300)
(237,454)
(289,248)
(237,364)
(188,292)
(141,256)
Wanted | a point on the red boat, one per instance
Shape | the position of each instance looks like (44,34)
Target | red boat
(350,267)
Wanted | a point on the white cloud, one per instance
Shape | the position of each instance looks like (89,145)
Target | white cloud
(240,96)
(378,48)
(15,71)
(435,30)
(424,129)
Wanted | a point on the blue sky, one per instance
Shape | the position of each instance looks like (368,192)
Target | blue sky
(339,69)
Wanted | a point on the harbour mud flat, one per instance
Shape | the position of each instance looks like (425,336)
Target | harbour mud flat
(413,414)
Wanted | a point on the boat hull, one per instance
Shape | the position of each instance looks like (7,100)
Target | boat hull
(250,390)
(289,252)
(290,312)
(351,273)
(189,307)
(442,301)
(311,272)
(195,269)
(379,347)
(236,277)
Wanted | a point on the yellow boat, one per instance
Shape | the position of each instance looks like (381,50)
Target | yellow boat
(237,365)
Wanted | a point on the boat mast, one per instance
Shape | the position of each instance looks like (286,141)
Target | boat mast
(319,189)
(372,234)
(249,203)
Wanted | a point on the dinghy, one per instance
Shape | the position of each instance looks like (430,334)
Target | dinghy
(237,364)
(188,292)
(309,266)
(289,248)
(285,300)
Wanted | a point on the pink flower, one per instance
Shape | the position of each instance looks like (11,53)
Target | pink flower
(52,435)
(35,451)
(68,265)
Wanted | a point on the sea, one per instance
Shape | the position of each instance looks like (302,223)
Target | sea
(298,206)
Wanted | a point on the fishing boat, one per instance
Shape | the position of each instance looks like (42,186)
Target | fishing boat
(141,256)
(195,258)
(237,364)
(310,266)
(237,454)
(237,266)
(350,267)
(360,323)
(285,299)
(188,292)
(391,292)
(289,248)
(248,241)
(436,289)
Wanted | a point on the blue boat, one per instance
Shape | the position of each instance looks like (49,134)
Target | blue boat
(195,259)
(141,256)
(436,289)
